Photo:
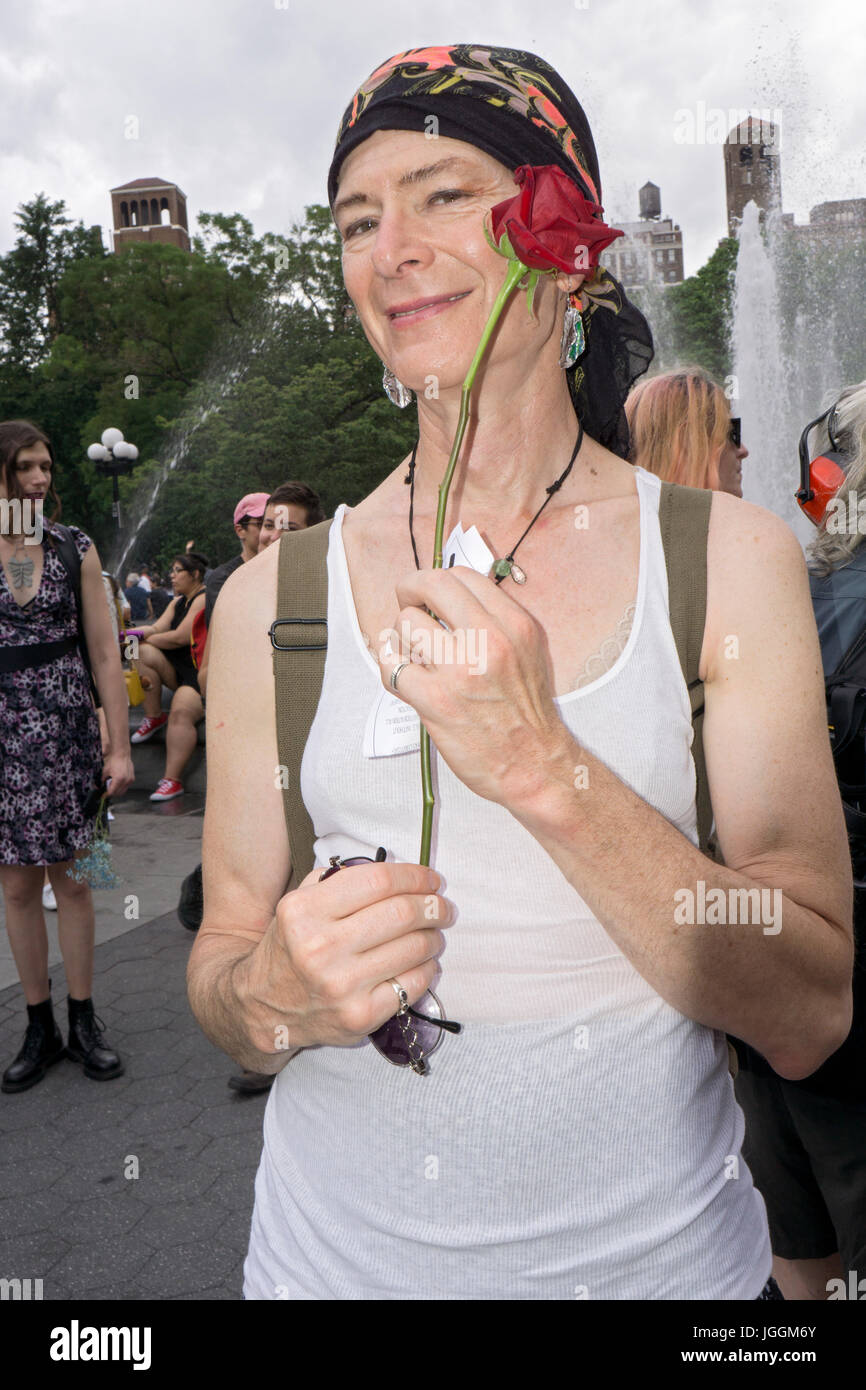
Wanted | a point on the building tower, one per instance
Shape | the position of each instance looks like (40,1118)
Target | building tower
(752,169)
(149,210)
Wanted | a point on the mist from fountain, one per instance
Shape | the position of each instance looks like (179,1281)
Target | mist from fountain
(235,360)
(786,361)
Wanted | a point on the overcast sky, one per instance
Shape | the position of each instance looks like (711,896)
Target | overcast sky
(238,101)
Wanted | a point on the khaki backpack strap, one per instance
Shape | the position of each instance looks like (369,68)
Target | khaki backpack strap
(684,516)
(299,637)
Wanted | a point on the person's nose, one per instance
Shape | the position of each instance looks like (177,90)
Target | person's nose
(399,244)
(742,451)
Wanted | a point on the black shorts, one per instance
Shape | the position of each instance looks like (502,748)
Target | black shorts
(183,669)
(807,1155)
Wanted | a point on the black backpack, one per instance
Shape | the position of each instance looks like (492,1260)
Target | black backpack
(846,718)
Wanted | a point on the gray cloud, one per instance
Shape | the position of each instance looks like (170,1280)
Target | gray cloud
(238,100)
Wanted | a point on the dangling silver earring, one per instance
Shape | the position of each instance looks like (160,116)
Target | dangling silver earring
(573,340)
(396,392)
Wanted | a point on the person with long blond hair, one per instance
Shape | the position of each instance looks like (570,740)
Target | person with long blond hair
(681,429)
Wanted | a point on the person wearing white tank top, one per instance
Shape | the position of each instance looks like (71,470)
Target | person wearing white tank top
(580,1138)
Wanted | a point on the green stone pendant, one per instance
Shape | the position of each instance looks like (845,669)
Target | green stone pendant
(503,568)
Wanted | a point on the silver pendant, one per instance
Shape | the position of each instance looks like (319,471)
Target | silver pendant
(517,574)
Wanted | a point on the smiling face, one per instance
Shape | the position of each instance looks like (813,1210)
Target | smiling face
(417,266)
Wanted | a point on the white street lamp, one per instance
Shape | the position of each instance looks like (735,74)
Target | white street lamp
(113,456)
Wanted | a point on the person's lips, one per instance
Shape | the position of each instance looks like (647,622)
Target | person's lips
(416,309)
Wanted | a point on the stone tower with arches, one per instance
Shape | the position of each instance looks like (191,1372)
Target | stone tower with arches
(149,210)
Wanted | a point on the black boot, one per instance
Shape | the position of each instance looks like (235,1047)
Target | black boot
(87,1042)
(43,1046)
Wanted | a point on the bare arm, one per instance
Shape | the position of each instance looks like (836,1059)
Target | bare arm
(107,672)
(269,971)
(785,987)
(245,849)
(163,622)
(168,638)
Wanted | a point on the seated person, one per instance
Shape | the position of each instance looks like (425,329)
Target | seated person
(165,658)
(137,597)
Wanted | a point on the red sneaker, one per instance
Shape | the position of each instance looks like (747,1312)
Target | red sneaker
(167,790)
(148,727)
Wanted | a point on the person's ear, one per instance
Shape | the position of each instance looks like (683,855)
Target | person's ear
(567,284)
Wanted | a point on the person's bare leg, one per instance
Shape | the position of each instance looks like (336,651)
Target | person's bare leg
(75,928)
(25,925)
(806,1279)
(155,670)
(180,734)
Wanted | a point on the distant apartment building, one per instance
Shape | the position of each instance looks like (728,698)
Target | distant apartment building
(651,251)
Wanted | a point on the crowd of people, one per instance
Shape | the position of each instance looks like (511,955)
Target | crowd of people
(594,1127)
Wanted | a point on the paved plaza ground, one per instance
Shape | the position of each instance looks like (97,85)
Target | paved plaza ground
(69,1214)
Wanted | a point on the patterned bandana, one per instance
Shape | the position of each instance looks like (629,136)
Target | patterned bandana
(517,108)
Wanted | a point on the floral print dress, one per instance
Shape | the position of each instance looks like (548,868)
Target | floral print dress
(50,753)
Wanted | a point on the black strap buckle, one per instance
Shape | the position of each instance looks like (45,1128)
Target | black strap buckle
(297,646)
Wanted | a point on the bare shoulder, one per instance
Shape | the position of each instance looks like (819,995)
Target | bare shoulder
(743,534)
(756,575)
(251,585)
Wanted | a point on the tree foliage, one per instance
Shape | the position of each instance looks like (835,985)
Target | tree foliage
(233,367)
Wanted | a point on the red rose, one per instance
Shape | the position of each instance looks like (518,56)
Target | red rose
(550,224)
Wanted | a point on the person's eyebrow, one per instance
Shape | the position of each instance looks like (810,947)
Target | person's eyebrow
(428,171)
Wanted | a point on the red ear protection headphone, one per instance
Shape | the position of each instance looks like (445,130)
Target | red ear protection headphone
(821,478)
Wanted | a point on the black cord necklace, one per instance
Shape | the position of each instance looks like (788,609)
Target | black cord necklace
(501,568)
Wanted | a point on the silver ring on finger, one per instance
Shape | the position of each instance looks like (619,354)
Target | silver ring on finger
(401,995)
(396,673)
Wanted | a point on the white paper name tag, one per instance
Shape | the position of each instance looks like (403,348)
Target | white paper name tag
(392,725)
(468,549)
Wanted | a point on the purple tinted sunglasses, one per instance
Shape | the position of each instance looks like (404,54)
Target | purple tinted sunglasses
(410,1037)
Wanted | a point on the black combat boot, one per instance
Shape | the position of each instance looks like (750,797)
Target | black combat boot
(87,1042)
(43,1046)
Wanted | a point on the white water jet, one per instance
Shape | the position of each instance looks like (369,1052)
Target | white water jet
(241,353)
(781,378)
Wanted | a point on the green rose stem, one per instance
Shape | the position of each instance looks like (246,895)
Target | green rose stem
(516,272)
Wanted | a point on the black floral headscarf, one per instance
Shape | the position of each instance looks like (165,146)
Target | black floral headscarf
(517,108)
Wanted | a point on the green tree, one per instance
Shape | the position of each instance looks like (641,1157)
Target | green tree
(30,276)
(700,312)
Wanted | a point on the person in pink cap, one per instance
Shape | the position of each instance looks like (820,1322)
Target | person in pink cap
(247,518)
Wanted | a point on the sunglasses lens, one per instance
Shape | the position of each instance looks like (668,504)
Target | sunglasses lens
(406,1039)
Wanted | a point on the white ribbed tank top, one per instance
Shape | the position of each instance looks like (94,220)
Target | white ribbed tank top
(580,1138)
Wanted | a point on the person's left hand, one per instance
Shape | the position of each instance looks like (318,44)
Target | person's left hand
(484,689)
(118,772)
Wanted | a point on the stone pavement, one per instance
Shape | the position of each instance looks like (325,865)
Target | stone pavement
(141,1187)
(69,1212)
